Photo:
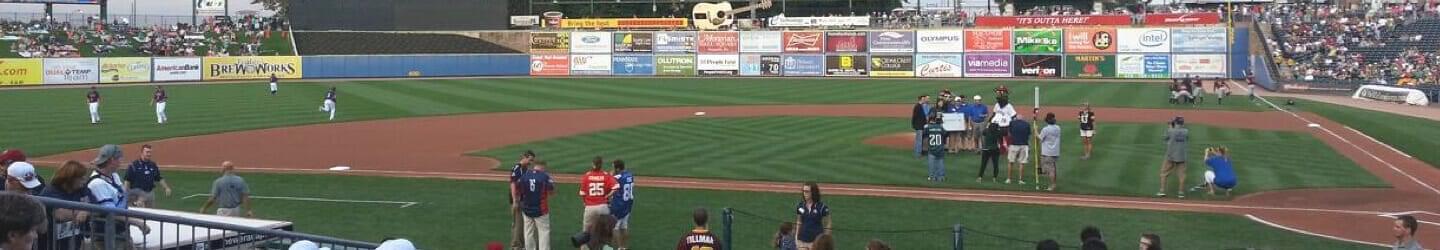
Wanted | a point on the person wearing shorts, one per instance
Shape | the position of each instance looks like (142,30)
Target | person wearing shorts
(1050,149)
(1019,151)
(1087,130)
(1176,140)
(1222,173)
(621,202)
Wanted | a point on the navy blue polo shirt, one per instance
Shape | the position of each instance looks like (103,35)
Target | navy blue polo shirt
(143,174)
(812,220)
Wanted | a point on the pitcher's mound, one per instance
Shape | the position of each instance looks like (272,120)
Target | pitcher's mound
(895,141)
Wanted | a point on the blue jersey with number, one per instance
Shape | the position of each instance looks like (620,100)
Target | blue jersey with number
(624,197)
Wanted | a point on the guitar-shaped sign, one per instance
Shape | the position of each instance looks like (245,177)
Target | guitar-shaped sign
(715,16)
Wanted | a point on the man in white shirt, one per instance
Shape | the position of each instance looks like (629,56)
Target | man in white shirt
(106,190)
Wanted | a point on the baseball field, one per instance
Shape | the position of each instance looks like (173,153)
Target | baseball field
(427,157)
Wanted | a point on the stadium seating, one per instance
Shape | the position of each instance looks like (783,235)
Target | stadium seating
(1338,44)
(248,35)
(370,43)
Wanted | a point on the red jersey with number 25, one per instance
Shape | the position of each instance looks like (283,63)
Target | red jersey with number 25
(595,187)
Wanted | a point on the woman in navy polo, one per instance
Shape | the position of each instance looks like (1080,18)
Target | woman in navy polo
(813,217)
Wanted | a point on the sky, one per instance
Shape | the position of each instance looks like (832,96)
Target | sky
(119,7)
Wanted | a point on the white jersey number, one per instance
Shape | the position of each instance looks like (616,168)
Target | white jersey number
(596,189)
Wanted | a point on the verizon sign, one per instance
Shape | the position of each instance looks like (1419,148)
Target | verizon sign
(1183,18)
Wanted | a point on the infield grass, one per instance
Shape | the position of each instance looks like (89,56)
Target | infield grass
(831,150)
(455,214)
(49,121)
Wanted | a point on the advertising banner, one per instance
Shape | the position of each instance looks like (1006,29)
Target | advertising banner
(633,65)
(845,41)
(1211,65)
(1144,40)
(939,66)
(892,41)
(207,6)
(803,65)
(987,41)
(1037,41)
(675,65)
(22,71)
(760,65)
(717,65)
(1042,66)
(168,69)
(1090,66)
(549,42)
(1182,18)
(549,65)
(72,70)
(988,65)
(1142,66)
(1090,40)
(625,23)
(846,65)
(590,42)
(675,42)
(1203,40)
(643,42)
(892,65)
(1020,21)
(940,41)
(720,42)
(252,67)
(761,41)
(803,42)
(124,69)
(590,64)
(841,21)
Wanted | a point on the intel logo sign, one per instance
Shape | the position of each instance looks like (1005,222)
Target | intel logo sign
(1154,38)
(596,39)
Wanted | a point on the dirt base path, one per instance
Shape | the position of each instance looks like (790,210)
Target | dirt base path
(435,147)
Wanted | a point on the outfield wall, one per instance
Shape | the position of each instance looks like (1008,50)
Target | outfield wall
(369,66)
(61,71)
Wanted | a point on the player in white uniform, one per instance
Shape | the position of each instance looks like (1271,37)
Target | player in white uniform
(93,99)
(329,104)
(159,102)
(274,85)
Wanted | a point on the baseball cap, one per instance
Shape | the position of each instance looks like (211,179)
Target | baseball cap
(1179,120)
(304,245)
(396,244)
(10,156)
(106,153)
(977,97)
(25,173)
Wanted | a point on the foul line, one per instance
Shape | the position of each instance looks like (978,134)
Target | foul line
(1397,151)
(1262,221)
(1352,144)
(403,204)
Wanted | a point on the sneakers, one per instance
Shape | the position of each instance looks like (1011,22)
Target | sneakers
(1022,182)
(1007,181)
(1160,194)
(979,179)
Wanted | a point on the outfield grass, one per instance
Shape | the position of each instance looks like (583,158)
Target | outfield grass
(1417,137)
(831,150)
(56,120)
(464,214)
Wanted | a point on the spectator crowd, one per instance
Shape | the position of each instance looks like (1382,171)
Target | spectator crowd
(1322,42)
(214,36)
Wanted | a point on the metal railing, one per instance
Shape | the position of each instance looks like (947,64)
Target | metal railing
(112,228)
(954,235)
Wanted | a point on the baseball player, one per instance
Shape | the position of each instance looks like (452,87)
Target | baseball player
(274,85)
(329,104)
(621,202)
(93,98)
(159,103)
(1087,130)
(596,186)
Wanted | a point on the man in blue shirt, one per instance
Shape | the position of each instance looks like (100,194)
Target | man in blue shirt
(536,188)
(1222,172)
(517,227)
(621,202)
(1019,153)
(975,113)
(141,177)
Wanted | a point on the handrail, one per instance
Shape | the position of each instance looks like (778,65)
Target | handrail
(63,204)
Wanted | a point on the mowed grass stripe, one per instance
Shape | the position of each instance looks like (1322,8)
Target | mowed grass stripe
(464,98)
(829,149)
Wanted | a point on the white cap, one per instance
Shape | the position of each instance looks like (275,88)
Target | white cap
(396,244)
(304,245)
(977,97)
(24,172)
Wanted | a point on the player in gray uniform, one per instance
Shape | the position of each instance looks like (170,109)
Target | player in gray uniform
(159,102)
(93,99)
(329,104)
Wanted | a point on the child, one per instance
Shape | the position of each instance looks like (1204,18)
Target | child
(785,239)
(1221,174)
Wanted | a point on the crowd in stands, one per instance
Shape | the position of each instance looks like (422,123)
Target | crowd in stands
(910,18)
(1321,43)
(241,36)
